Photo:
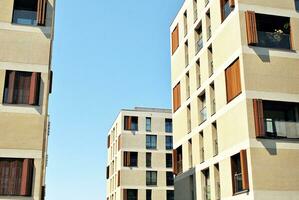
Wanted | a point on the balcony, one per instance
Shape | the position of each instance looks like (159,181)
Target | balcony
(274,40)
(203,115)
(25,17)
(281,128)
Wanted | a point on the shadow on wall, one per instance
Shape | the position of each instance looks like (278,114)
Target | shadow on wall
(262,53)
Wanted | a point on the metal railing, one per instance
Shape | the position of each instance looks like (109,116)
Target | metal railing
(203,114)
(238,182)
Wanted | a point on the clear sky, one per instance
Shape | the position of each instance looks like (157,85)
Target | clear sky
(107,55)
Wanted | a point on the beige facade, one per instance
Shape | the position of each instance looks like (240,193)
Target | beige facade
(236,117)
(140,155)
(26,35)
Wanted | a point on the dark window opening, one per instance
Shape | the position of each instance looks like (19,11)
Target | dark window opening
(148,194)
(168,160)
(273,35)
(281,119)
(131,194)
(168,142)
(151,142)
(207,184)
(21,88)
(297,5)
(169,178)
(236,173)
(151,178)
(130,159)
(25,12)
(148,159)
(148,124)
(179,160)
(170,195)
(226,9)
(131,123)
(168,125)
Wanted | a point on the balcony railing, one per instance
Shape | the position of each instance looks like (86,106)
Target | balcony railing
(281,128)
(203,114)
(218,192)
(24,17)
(238,182)
(202,155)
(207,192)
(274,40)
(215,147)
(199,45)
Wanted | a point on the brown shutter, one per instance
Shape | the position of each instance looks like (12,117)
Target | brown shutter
(258,117)
(50,82)
(252,37)
(129,158)
(27,174)
(174,162)
(11,86)
(125,194)
(177,97)
(41,12)
(118,178)
(231,3)
(108,141)
(175,39)
(233,81)
(244,169)
(128,122)
(292,36)
(119,142)
(33,89)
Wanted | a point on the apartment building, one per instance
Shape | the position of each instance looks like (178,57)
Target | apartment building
(140,155)
(235,81)
(26,34)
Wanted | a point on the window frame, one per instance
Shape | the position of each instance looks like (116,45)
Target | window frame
(151,178)
(150,142)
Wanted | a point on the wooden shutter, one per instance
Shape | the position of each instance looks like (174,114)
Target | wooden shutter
(174,162)
(50,82)
(127,159)
(175,39)
(244,169)
(128,122)
(118,178)
(231,3)
(252,37)
(33,89)
(233,81)
(292,36)
(11,86)
(27,174)
(108,141)
(119,142)
(41,12)
(125,194)
(177,97)
(258,117)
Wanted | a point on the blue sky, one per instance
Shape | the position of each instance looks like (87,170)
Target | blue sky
(107,55)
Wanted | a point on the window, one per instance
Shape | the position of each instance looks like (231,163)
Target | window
(239,172)
(148,159)
(212,98)
(168,125)
(186,54)
(276,119)
(169,178)
(207,184)
(14,172)
(297,4)
(131,123)
(169,195)
(175,39)
(208,24)
(262,32)
(176,97)
(151,142)
(211,63)
(189,118)
(130,159)
(203,108)
(168,142)
(195,13)
(227,6)
(148,194)
(198,38)
(233,81)
(178,161)
(185,23)
(21,88)
(168,160)
(151,178)
(187,79)
(148,124)
(130,194)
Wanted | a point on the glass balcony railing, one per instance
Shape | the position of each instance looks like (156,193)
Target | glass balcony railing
(238,182)
(281,128)
(25,17)
(274,40)
(203,114)
(199,45)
